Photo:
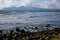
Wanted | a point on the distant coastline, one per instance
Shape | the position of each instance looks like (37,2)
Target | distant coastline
(29,9)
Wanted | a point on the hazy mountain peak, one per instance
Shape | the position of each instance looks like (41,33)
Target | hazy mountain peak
(22,8)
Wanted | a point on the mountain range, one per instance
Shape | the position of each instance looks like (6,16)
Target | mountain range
(30,9)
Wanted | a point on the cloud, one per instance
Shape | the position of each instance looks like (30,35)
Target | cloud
(9,3)
(33,3)
(5,3)
(24,2)
(48,4)
(45,4)
(55,3)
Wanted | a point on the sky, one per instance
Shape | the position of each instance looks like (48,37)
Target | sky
(30,3)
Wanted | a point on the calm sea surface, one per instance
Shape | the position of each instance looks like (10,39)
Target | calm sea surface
(28,19)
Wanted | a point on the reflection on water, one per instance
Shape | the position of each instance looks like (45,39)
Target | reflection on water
(27,19)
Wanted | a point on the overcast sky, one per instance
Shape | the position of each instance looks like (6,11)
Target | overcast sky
(28,3)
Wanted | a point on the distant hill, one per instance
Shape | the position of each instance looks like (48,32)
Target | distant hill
(22,8)
(31,9)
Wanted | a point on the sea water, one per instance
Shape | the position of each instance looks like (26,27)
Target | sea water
(11,20)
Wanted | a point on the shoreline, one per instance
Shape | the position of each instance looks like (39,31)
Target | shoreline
(27,35)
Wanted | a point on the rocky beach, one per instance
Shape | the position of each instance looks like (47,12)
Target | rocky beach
(21,34)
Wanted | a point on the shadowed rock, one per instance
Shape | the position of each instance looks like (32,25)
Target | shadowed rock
(11,31)
(22,31)
(47,25)
(17,29)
